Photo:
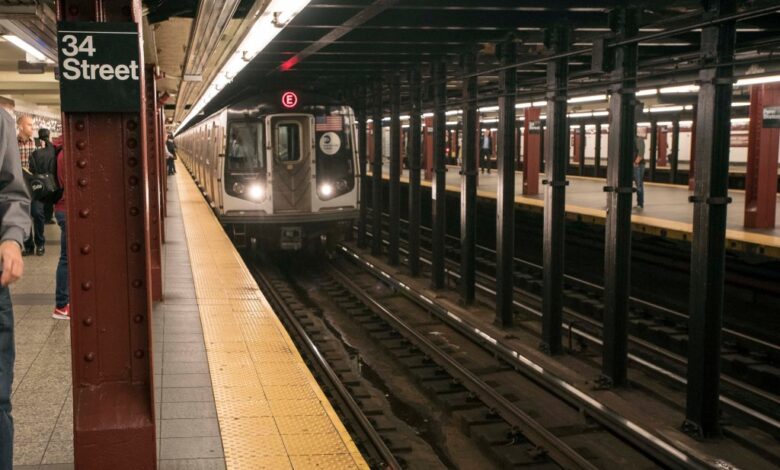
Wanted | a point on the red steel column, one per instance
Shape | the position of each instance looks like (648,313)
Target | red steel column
(761,176)
(531,152)
(662,146)
(428,148)
(153,176)
(108,217)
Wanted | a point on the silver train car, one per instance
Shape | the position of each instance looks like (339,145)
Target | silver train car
(279,170)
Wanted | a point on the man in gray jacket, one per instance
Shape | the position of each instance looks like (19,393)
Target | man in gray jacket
(15,225)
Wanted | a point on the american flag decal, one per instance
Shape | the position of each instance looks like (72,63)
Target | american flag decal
(328,123)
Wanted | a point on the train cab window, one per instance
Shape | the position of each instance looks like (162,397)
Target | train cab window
(244,147)
(288,142)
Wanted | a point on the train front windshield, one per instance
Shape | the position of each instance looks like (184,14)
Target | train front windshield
(335,154)
(245,165)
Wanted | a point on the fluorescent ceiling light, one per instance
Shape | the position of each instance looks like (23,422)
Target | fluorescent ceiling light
(757,80)
(453,112)
(740,120)
(488,121)
(740,104)
(588,99)
(686,123)
(600,113)
(579,115)
(643,124)
(452,123)
(274,18)
(664,109)
(648,92)
(681,89)
(427,115)
(539,104)
(488,109)
(16,41)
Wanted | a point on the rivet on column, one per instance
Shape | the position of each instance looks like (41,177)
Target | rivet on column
(89,357)
(86,249)
(133,180)
(137,283)
(139,354)
(80,126)
(86,285)
(81,164)
(88,321)
(82,182)
(84,213)
(138,318)
(81,145)
(134,211)
(135,247)
(132,161)
(132,143)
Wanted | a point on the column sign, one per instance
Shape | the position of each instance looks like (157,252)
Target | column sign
(100,68)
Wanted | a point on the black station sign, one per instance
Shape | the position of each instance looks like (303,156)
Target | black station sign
(100,68)
(771,116)
(535,127)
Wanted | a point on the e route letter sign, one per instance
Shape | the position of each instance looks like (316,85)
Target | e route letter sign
(100,68)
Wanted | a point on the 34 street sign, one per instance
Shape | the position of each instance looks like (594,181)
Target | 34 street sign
(100,68)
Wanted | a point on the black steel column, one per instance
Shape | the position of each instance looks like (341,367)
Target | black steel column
(415,148)
(617,243)
(395,169)
(653,148)
(597,155)
(675,151)
(581,150)
(556,155)
(362,116)
(468,181)
(376,196)
(505,204)
(710,200)
(439,78)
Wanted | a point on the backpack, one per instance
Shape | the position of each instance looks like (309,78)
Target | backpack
(43,182)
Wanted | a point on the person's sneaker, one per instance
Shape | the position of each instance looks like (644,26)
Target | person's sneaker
(61,313)
(40,251)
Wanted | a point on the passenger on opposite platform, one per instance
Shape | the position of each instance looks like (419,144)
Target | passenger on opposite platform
(485,151)
(639,171)
(36,242)
(14,229)
(62,291)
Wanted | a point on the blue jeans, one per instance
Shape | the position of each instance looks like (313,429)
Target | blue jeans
(639,178)
(62,294)
(37,238)
(7,356)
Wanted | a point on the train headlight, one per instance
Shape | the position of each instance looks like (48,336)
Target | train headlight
(256,191)
(326,189)
(238,188)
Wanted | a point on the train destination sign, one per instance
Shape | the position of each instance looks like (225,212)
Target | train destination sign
(100,67)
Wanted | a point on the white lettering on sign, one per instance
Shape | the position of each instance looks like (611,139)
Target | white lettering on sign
(75,69)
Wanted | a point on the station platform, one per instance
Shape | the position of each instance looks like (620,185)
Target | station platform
(667,212)
(232,391)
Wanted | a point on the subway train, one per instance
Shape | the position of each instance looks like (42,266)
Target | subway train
(279,169)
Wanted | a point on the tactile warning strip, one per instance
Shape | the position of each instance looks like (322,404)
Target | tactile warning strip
(272,413)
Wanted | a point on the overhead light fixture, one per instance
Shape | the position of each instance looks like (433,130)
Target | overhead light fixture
(740,104)
(16,41)
(664,109)
(488,109)
(539,104)
(587,99)
(757,80)
(274,18)
(579,115)
(453,112)
(600,113)
(680,89)
(427,115)
(648,92)
(740,121)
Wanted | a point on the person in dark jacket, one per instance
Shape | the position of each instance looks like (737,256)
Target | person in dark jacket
(14,229)
(44,141)
(170,157)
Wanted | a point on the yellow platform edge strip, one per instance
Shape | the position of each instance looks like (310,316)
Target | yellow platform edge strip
(271,411)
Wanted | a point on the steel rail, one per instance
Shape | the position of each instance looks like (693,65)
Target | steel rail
(350,405)
(643,439)
(558,450)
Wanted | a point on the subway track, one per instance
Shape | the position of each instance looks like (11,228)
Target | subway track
(657,335)
(514,420)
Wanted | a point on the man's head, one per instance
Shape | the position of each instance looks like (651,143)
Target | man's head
(25,125)
(44,134)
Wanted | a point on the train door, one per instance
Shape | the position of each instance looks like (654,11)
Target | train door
(291,153)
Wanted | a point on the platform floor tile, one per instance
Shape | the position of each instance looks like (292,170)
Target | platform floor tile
(271,411)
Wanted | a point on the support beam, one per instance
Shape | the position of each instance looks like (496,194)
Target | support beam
(362,116)
(710,199)
(415,198)
(597,155)
(395,171)
(581,150)
(439,233)
(761,175)
(468,181)
(376,172)
(692,153)
(653,149)
(620,167)
(675,151)
(505,204)
(556,154)
(110,270)
(532,140)
(428,148)
(152,169)
(662,147)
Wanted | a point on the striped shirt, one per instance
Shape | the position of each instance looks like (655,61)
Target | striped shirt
(26,148)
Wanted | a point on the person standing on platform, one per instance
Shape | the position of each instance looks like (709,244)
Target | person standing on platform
(485,151)
(639,171)
(35,243)
(170,158)
(62,291)
(14,228)
(44,142)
